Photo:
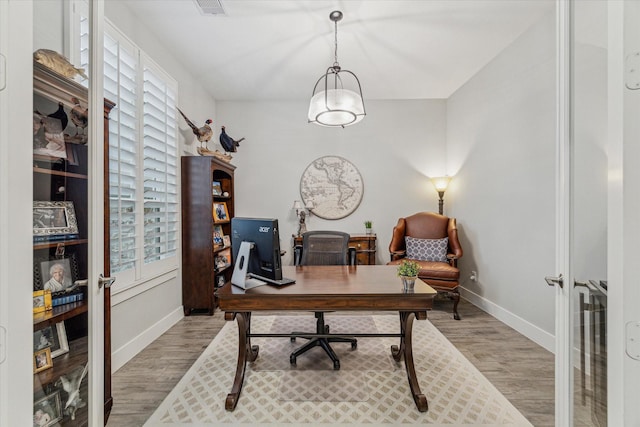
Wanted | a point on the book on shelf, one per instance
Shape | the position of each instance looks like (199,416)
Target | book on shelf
(61,298)
(55,238)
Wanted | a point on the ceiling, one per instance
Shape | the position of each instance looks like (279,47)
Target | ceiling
(277,49)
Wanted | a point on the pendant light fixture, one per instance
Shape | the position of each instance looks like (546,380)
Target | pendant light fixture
(337,96)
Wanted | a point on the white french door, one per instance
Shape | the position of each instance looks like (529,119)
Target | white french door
(598,156)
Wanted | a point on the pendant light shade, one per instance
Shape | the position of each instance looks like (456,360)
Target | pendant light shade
(337,96)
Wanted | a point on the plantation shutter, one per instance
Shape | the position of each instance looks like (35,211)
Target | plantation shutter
(160,165)
(120,75)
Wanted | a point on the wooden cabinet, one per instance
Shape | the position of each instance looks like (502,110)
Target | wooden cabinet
(207,209)
(61,251)
(364,245)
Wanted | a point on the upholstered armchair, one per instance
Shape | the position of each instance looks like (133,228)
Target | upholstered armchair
(432,241)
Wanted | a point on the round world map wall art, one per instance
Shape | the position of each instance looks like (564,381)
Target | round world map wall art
(334,186)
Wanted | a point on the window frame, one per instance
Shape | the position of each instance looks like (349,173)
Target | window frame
(142,271)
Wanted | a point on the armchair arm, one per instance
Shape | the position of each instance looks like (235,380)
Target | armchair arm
(397,255)
(453,260)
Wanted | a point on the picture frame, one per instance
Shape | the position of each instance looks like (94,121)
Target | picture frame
(45,269)
(48,136)
(54,220)
(226,240)
(218,235)
(47,411)
(216,188)
(53,337)
(41,301)
(42,360)
(223,258)
(220,212)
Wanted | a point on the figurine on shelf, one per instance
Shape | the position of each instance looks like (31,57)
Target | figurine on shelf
(72,387)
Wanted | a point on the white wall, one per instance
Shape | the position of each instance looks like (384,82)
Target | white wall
(501,148)
(395,148)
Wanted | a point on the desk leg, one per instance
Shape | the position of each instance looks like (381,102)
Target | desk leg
(406,350)
(246,352)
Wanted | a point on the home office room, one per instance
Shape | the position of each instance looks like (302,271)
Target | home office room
(318,212)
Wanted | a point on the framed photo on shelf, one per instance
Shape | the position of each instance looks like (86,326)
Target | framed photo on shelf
(226,240)
(53,337)
(48,136)
(55,275)
(47,411)
(223,258)
(216,188)
(54,221)
(41,301)
(218,235)
(220,212)
(42,360)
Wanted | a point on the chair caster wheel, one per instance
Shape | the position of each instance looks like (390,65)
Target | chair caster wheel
(292,360)
(336,365)
(354,345)
(293,339)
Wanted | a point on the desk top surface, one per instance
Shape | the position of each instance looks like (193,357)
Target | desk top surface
(364,287)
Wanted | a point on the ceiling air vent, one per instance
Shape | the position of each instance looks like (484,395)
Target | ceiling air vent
(211,7)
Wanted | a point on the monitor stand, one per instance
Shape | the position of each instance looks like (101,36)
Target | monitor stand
(240,277)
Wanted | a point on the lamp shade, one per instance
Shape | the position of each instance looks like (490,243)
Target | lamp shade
(336,107)
(297,205)
(441,182)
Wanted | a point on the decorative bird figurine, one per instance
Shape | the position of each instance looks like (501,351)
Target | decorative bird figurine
(229,144)
(203,133)
(72,387)
(79,115)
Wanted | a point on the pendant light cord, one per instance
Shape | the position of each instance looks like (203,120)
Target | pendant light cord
(335,35)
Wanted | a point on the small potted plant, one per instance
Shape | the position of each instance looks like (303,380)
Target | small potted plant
(408,272)
(367,227)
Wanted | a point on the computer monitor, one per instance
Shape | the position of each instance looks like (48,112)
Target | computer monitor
(256,252)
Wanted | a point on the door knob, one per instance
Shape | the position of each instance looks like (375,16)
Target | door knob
(105,281)
(552,281)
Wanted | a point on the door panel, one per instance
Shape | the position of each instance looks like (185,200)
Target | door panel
(588,211)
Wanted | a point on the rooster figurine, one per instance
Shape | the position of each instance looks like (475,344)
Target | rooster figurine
(203,133)
(229,144)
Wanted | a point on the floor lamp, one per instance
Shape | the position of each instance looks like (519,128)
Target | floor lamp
(441,184)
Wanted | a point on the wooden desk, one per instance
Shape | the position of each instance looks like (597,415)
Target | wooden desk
(329,288)
(364,245)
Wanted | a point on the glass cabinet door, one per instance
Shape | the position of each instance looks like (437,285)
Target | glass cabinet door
(67,241)
(60,249)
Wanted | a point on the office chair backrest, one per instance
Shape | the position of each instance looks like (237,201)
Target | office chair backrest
(325,248)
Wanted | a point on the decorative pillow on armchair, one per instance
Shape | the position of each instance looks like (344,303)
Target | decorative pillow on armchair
(427,249)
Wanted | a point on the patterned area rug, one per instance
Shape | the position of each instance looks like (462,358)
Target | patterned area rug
(373,388)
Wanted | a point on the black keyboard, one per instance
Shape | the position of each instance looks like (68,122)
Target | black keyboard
(281,282)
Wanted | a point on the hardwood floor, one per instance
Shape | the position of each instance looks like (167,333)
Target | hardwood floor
(519,368)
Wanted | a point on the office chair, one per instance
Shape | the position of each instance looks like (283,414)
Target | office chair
(421,238)
(323,248)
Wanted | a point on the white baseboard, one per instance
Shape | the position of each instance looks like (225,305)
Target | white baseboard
(122,355)
(534,333)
